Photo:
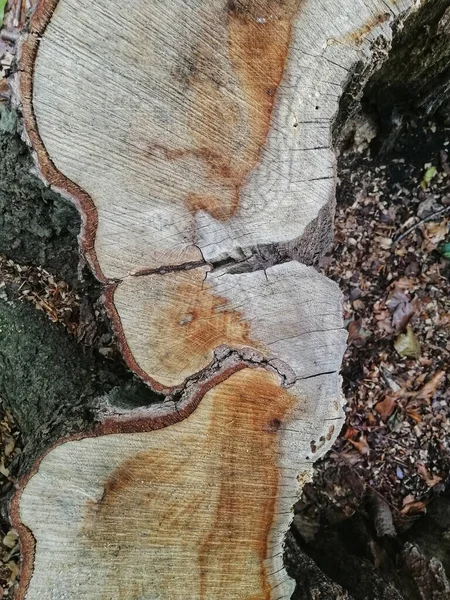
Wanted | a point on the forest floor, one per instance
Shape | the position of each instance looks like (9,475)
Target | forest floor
(391,259)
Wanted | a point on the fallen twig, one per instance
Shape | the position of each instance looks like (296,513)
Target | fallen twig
(424,220)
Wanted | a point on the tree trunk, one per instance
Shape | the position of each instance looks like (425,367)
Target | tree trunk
(196,143)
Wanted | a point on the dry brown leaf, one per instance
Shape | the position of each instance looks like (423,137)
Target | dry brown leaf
(9,444)
(444,319)
(429,389)
(383,318)
(434,233)
(358,304)
(414,415)
(402,310)
(361,445)
(357,335)
(386,407)
(351,457)
(413,508)
(407,499)
(351,433)
(430,479)
(405,283)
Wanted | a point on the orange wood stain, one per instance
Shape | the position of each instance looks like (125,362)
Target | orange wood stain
(259,34)
(259,38)
(228,129)
(204,494)
(194,321)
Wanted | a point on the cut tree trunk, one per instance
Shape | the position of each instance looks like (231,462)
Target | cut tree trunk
(195,138)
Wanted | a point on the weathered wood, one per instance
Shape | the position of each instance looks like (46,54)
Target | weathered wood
(196,140)
(187,315)
(198,509)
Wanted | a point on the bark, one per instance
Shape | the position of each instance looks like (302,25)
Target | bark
(416,77)
(37,226)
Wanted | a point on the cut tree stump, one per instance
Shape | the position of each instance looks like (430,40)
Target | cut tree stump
(195,138)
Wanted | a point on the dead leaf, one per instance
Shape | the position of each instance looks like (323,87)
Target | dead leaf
(413,508)
(407,345)
(9,444)
(407,499)
(444,319)
(386,407)
(14,568)
(351,433)
(10,539)
(358,304)
(404,283)
(3,470)
(429,389)
(402,309)
(382,317)
(414,415)
(434,233)
(357,335)
(430,480)
(361,445)
(384,242)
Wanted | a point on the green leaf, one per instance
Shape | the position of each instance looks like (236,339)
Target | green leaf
(2,10)
(429,174)
(407,344)
(444,249)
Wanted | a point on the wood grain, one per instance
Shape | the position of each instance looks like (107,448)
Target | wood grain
(206,136)
(195,138)
(171,513)
(173,323)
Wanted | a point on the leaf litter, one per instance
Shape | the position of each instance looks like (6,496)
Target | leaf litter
(392,267)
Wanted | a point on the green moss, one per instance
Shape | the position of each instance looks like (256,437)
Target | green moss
(52,384)
(37,226)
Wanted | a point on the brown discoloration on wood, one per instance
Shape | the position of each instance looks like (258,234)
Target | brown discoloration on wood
(195,490)
(259,35)
(259,39)
(357,37)
(218,172)
(183,319)
(196,321)
(127,423)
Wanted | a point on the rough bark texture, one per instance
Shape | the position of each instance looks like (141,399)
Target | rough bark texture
(52,384)
(37,226)
(416,78)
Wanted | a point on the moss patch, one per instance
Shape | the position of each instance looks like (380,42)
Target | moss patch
(51,384)
(37,226)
